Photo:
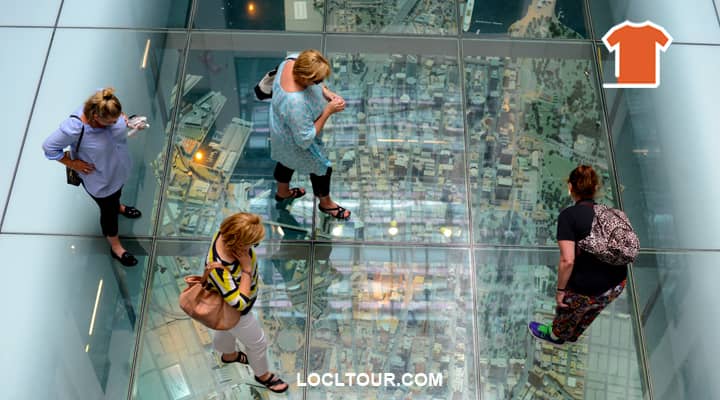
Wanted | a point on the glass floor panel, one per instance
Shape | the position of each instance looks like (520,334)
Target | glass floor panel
(536,19)
(13,13)
(133,14)
(516,286)
(267,15)
(142,90)
(22,80)
(410,17)
(530,121)
(402,119)
(71,313)
(394,310)
(176,359)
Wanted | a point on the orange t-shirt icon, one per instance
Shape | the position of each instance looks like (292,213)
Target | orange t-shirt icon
(637,53)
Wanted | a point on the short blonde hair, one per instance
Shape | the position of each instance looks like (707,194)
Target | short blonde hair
(104,104)
(311,66)
(242,229)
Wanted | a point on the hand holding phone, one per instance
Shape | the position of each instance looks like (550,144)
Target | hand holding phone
(137,123)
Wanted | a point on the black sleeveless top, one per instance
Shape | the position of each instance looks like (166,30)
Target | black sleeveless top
(590,276)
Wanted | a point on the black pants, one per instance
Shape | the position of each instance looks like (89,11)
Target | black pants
(109,211)
(320,183)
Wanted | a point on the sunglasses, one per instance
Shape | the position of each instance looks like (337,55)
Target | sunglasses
(319,81)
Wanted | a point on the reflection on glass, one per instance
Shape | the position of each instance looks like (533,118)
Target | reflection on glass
(142,91)
(14,13)
(19,81)
(678,289)
(72,313)
(134,13)
(514,287)
(522,19)
(396,311)
(687,22)
(271,15)
(394,16)
(221,154)
(177,357)
(531,121)
(397,148)
(665,145)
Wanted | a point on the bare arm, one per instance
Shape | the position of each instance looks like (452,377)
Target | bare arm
(76,164)
(567,260)
(327,93)
(245,279)
(320,122)
(330,95)
(565,268)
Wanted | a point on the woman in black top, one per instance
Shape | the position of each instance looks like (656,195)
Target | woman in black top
(586,285)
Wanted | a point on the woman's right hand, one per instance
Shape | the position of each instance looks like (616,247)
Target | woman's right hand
(82,166)
(337,104)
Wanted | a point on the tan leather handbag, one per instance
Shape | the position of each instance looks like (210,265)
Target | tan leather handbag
(205,305)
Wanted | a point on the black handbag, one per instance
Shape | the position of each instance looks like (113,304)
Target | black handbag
(263,89)
(73,178)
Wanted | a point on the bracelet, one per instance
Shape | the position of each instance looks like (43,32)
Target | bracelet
(247,273)
(561,290)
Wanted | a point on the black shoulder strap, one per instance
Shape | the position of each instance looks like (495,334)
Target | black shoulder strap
(82,132)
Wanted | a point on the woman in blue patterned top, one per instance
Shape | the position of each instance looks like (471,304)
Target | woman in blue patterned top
(102,160)
(300,106)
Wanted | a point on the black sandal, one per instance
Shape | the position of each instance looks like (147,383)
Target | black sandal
(241,358)
(126,259)
(271,381)
(336,212)
(295,193)
(131,212)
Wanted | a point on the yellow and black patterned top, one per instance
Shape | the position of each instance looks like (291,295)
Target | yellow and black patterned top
(228,283)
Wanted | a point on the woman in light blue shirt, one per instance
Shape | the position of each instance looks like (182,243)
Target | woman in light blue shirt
(300,107)
(102,160)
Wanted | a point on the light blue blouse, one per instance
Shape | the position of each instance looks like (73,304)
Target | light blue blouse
(106,148)
(293,139)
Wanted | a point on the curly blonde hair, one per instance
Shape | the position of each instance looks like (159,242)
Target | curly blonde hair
(311,66)
(242,229)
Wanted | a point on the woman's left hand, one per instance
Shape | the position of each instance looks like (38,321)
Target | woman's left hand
(330,95)
(334,96)
(559,298)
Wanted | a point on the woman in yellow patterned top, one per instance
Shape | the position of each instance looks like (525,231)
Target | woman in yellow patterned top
(232,247)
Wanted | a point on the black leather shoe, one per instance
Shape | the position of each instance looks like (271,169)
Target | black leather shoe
(127,259)
(131,212)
